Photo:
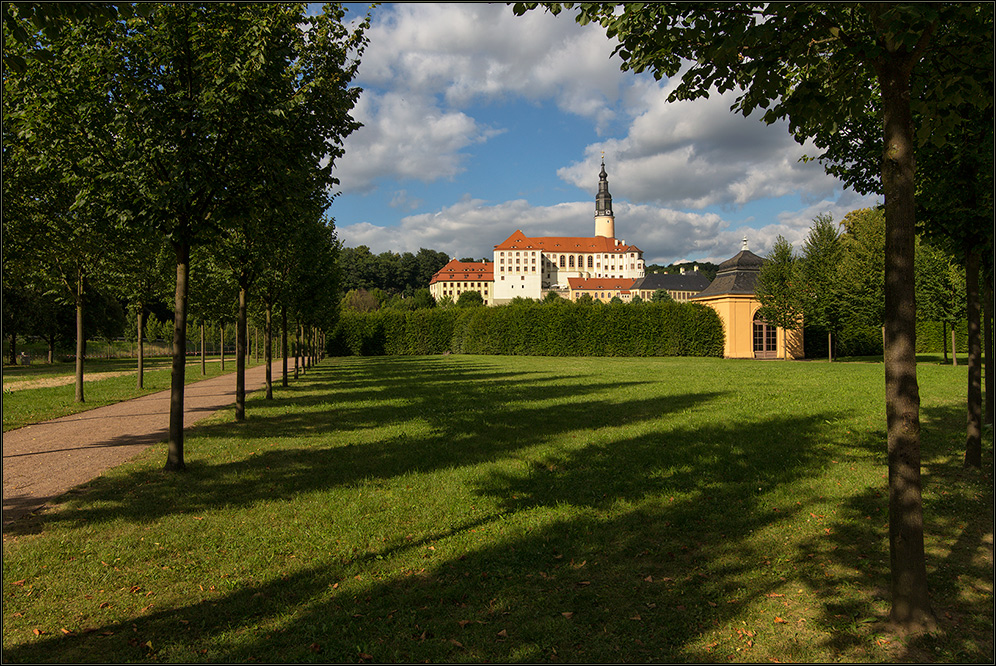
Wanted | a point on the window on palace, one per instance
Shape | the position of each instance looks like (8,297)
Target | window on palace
(563,261)
(590,259)
(570,261)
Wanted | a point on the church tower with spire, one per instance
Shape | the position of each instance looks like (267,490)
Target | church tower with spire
(605,221)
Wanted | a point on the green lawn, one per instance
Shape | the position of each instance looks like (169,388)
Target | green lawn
(517,509)
(103,384)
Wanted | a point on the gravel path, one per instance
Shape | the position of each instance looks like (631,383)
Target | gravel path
(43,461)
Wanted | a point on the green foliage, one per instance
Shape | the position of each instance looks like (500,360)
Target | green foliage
(777,288)
(402,274)
(532,328)
(661,296)
(470,299)
(862,269)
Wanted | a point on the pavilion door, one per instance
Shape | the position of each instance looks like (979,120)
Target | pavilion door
(765,339)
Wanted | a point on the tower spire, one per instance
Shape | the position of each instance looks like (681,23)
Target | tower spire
(603,200)
(605,221)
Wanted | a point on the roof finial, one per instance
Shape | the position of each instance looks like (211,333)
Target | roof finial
(744,248)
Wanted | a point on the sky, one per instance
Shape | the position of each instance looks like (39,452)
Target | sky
(477,122)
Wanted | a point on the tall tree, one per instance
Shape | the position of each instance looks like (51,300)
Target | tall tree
(53,166)
(820,66)
(817,279)
(861,271)
(778,290)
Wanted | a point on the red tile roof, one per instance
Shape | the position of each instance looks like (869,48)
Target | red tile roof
(519,241)
(482,271)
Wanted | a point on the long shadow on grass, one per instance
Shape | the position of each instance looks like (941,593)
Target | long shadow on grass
(457,416)
(850,564)
(612,551)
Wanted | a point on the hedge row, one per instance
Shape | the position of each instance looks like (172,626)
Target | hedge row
(534,329)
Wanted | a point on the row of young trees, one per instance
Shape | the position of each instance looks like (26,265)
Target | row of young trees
(183,148)
(877,87)
(836,284)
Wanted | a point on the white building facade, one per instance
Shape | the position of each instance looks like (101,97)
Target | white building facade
(529,267)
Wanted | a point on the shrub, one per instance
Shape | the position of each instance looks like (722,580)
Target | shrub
(536,329)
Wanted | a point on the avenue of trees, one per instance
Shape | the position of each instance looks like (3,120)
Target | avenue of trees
(877,87)
(180,153)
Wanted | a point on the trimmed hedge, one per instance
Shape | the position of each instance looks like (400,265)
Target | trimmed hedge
(534,329)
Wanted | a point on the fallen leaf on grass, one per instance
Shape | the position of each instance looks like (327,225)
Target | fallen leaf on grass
(365,657)
(65,631)
(503,634)
(779,620)
(457,643)
(19,583)
(316,648)
(568,614)
(637,618)
(38,632)
(773,595)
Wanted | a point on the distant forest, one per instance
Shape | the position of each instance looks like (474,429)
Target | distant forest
(392,273)
(707,269)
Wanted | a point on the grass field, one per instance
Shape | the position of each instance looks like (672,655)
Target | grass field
(106,381)
(517,509)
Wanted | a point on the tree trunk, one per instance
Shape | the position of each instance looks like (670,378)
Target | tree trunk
(203,352)
(80,341)
(13,348)
(174,451)
(910,601)
(140,330)
(987,318)
(284,342)
(221,344)
(829,346)
(268,350)
(51,347)
(944,339)
(954,352)
(973,440)
(297,349)
(241,333)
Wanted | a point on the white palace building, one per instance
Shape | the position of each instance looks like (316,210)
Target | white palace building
(531,267)
(601,266)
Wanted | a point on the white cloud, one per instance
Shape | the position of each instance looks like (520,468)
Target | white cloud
(696,154)
(405,136)
(427,61)
(472,227)
(429,65)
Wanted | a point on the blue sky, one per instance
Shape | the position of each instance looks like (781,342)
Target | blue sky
(478,123)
